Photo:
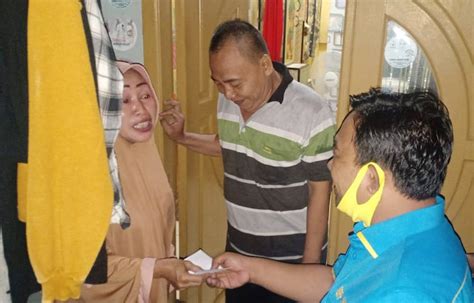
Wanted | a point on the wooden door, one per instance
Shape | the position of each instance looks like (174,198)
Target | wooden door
(158,54)
(443,29)
(196,180)
(202,214)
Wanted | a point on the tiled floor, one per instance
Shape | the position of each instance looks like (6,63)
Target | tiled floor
(4,286)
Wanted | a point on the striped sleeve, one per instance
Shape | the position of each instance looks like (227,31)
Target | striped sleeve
(317,150)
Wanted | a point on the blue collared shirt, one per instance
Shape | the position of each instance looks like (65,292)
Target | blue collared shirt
(415,257)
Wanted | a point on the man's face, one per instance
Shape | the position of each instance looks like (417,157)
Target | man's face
(242,80)
(343,163)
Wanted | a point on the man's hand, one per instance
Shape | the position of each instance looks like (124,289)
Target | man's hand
(172,120)
(236,274)
(177,272)
(316,220)
(300,282)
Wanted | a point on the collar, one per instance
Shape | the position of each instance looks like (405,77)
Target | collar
(379,237)
(285,81)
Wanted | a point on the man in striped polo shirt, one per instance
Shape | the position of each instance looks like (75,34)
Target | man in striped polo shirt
(275,137)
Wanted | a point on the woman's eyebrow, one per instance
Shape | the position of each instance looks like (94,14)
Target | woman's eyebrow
(139,84)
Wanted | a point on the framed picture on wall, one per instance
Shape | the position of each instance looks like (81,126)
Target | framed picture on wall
(340,4)
(303,11)
(336,22)
(337,38)
(293,38)
(311,30)
(123,21)
(261,10)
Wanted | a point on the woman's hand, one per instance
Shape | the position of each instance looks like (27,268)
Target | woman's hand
(177,272)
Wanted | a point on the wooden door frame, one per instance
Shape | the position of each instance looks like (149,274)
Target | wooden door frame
(158,54)
(362,60)
(340,224)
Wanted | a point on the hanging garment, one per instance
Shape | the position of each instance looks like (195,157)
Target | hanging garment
(14,144)
(20,274)
(68,189)
(273,27)
(13,85)
(109,82)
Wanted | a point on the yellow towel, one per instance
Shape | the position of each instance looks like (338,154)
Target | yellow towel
(69,193)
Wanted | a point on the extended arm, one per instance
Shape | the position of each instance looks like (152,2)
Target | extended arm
(301,282)
(316,220)
(172,121)
(176,272)
(132,276)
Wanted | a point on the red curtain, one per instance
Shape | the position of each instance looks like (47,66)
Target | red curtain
(273,27)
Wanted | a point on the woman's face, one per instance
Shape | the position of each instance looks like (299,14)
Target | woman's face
(139,109)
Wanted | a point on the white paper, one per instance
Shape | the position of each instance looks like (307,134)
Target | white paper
(208,271)
(203,260)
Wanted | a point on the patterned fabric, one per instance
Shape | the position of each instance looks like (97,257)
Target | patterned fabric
(268,161)
(109,88)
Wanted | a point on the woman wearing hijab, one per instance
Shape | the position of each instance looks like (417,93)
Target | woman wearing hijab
(140,262)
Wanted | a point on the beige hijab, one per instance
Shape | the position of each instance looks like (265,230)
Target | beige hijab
(149,200)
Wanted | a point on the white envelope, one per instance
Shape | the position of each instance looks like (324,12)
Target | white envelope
(203,260)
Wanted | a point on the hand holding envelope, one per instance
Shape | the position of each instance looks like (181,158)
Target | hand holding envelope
(203,260)
(235,271)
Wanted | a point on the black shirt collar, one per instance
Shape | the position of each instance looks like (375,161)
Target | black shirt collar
(285,81)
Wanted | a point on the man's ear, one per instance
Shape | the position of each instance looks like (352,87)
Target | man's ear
(369,185)
(372,179)
(267,64)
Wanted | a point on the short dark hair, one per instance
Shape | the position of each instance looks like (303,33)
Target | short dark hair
(410,134)
(239,31)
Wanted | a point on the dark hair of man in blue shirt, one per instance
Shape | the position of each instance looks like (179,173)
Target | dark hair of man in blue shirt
(409,134)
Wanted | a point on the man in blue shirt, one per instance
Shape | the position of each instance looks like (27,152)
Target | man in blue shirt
(390,160)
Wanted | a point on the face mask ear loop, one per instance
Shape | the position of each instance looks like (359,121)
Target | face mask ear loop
(362,212)
(374,200)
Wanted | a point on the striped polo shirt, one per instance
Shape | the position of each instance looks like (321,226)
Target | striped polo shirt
(268,161)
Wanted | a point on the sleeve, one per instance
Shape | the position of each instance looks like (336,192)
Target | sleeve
(317,150)
(109,84)
(128,279)
(339,264)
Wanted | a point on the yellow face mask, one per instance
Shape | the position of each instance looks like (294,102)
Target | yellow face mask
(362,212)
